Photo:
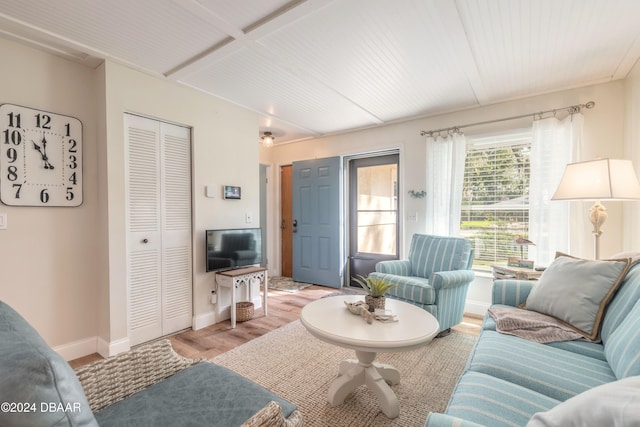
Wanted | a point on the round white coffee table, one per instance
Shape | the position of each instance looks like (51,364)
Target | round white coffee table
(329,319)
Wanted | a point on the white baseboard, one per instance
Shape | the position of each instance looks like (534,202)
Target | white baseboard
(76,349)
(108,349)
(476,307)
(204,320)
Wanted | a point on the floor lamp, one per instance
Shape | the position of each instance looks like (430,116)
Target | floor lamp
(600,179)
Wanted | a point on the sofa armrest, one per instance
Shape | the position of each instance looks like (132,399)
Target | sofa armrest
(442,420)
(451,279)
(110,380)
(401,267)
(510,291)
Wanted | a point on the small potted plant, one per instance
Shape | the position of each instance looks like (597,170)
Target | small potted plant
(375,287)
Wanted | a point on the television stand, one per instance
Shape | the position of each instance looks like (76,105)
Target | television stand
(237,277)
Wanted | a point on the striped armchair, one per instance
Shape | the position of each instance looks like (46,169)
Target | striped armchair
(436,276)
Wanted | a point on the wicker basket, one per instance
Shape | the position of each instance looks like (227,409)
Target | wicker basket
(244,311)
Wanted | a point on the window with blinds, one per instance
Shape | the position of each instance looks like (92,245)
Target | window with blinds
(495,197)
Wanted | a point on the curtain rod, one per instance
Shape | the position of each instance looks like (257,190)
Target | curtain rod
(573,109)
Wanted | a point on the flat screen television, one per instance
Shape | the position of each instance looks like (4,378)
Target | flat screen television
(233,248)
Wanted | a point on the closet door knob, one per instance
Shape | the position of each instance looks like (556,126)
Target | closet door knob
(145,240)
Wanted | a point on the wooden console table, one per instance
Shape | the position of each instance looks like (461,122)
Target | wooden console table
(233,279)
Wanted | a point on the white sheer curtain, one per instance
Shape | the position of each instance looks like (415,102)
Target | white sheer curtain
(445,174)
(554,144)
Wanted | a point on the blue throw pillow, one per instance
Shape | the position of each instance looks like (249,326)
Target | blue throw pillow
(577,291)
(41,386)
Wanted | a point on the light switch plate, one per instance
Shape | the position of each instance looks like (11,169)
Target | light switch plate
(3,221)
(210,191)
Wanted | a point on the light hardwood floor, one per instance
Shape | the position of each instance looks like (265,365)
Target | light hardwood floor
(284,307)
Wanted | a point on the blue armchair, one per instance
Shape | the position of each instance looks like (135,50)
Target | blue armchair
(436,276)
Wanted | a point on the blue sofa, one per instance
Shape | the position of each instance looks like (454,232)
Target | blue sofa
(150,385)
(510,381)
(435,277)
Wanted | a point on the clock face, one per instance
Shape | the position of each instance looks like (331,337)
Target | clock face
(40,158)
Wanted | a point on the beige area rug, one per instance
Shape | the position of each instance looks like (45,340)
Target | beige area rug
(286,284)
(297,366)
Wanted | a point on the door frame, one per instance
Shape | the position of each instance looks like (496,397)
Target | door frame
(275,224)
(347,232)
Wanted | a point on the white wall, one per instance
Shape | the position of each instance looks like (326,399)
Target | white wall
(48,256)
(63,269)
(603,136)
(224,152)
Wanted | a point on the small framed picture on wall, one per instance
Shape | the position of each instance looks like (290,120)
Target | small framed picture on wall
(231,192)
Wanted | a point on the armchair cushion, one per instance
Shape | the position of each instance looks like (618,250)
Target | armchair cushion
(410,288)
(428,254)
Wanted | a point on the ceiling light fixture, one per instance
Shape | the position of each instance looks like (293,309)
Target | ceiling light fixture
(267,139)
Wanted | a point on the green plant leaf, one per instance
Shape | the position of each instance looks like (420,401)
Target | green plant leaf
(374,286)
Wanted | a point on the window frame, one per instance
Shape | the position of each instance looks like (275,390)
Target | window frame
(477,143)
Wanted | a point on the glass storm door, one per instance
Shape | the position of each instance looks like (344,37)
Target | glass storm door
(373,212)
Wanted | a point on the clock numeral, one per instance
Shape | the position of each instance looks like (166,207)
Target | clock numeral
(69,193)
(73,179)
(43,121)
(74,145)
(13,173)
(14,137)
(44,196)
(73,163)
(19,187)
(12,155)
(14,120)
(68,128)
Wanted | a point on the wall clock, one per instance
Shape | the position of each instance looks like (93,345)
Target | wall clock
(40,157)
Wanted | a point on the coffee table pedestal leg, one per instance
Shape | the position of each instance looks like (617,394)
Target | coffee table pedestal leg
(376,376)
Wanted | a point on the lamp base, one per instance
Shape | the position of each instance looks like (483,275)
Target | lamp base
(598,216)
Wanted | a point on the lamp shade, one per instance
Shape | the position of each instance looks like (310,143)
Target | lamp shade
(601,179)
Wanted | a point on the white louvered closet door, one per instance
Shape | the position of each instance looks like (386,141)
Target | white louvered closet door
(159,228)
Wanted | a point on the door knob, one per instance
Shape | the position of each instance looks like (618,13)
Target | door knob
(145,240)
(294,226)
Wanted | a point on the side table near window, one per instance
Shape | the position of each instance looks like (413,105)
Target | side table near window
(501,271)
(233,279)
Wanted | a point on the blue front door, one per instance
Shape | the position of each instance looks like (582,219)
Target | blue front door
(316,221)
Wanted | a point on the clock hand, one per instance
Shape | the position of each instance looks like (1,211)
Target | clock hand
(37,147)
(47,164)
(43,153)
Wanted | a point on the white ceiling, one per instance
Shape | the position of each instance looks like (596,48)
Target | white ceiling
(316,67)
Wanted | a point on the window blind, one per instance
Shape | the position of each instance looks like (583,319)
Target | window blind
(495,199)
